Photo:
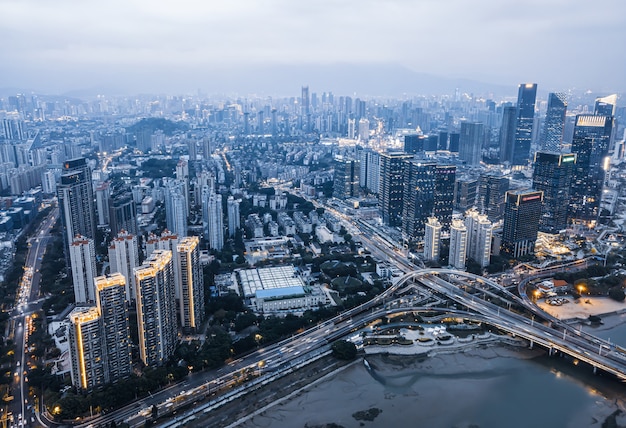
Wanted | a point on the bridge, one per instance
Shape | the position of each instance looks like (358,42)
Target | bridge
(494,303)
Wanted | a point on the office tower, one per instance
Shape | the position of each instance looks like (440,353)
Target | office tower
(364,129)
(414,143)
(369,172)
(191,284)
(418,199)
(492,188)
(555,122)
(458,244)
(605,106)
(346,178)
(76,201)
(274,122)
(592,136)
(87,351)
(234,218)
(431,143)
(454,142)
(521,222)
(192,149)
(507,133)
(525,117)
(259,123)
(429,191)
(465,192)
(246,123)
(352,129)
(176,207)
(442,142)
(83,263)
(471,143)
(432,237)
(445,176)
(391,186)
(123,259)
(102,203)
(213,221)
(553,176)
(113,311)
(479,233)
(156,308)
(122,211)
(306,109)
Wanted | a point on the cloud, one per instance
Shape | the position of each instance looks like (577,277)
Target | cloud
(507,40)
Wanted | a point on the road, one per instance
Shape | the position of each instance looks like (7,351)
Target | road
(23,409)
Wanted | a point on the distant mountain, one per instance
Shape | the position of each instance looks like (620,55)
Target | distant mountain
(358,80)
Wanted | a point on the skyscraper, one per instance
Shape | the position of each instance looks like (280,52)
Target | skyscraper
(123,211)
(124,258)
(491,190)
(191,284)
(369,174)
(458,244)
(87,351)
(83,264)
(471,143)
(113,310)
(525,116)
(553,176)
(428,191)
(213,220)
(176,209)
(521,222)
(346,178)
(167,241)
(432,237)
(507,133)
(605,106)
(555,122)
(156,308)
(391,186)
(234,218)
(592,136)
(76,201)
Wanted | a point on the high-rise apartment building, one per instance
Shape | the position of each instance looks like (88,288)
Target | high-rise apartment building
(156,308)
(83,264)
(555,122)
(213,220)
(234,218)
(432,238)
(124,258)
(391,190)
(122,211)
(369,174)
(592,136)
(479,234)
(167,241)
(76,201)
(458,244)
(87,351)
(190,280)
(113,310)
(552,175)
(525,117)
(521,222)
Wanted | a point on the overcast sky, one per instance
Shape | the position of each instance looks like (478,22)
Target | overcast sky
(66,45)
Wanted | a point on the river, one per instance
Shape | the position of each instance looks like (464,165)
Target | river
(489,387)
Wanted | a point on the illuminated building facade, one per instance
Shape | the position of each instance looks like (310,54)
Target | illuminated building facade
(553,175)
(521,222)
(124,258)
(87,350)
(191,283)
(83,264)
(156,308)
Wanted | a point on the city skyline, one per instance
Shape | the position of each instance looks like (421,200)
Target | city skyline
(248,47)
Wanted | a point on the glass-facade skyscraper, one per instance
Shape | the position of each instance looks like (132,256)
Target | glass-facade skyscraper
(525,116)
(552,136)
(553,175)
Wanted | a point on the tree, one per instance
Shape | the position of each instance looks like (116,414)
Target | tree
(344,350)
(155,411)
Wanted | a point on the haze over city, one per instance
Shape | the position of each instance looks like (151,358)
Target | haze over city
(369,47)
